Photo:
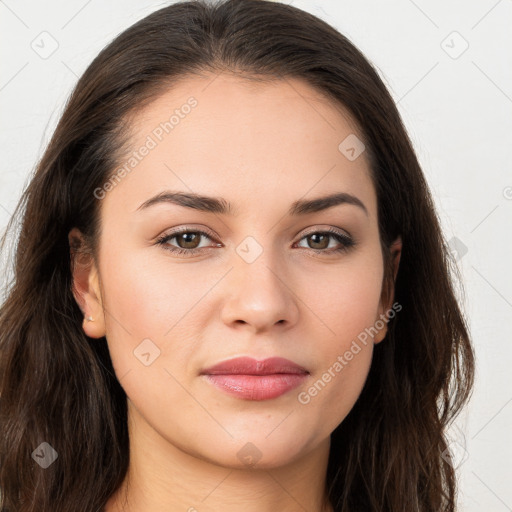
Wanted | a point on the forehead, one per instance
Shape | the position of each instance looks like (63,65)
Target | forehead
(228,136)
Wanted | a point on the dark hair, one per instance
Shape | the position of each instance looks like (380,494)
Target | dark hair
(58,385)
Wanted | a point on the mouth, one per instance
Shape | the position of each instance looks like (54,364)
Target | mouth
(250,379)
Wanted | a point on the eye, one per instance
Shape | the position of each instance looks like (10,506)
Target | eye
(188,241)
(319,241)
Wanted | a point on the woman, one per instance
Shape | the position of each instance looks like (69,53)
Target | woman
(231,289)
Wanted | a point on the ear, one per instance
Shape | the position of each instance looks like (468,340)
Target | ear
(86,285)
(388,292)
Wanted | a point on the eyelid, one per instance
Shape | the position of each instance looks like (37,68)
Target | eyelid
(186,228)
(328,229)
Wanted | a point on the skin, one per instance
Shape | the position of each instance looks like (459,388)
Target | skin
(261,147)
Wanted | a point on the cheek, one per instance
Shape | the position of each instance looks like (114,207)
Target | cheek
(346,299)
(144,301)
(150,296)
(335,388)
(347,309)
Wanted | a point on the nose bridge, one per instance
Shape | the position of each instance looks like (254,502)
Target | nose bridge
(257,262)
(258,292)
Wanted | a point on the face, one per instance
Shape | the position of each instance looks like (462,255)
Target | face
(182,285)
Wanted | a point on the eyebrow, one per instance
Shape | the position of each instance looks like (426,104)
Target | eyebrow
(221,206)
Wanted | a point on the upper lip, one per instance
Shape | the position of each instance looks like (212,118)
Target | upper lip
(250,366)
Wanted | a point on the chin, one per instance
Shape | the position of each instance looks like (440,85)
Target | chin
(255,452)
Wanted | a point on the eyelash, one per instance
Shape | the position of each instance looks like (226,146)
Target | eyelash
(346,242)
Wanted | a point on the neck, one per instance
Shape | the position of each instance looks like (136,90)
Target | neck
(163,477)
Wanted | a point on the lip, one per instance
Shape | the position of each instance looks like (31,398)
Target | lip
(250,379)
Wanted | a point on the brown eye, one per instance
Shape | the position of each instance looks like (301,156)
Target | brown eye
(319,241)
(188,240)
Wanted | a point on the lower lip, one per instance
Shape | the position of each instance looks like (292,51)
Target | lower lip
(257,387)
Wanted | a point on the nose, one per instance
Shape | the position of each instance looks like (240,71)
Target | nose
(259,295)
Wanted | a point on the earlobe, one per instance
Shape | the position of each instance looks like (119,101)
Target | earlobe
(85,285)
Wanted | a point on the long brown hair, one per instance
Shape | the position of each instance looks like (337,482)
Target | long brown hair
(58,386)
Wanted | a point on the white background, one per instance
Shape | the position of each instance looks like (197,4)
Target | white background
(456,106)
